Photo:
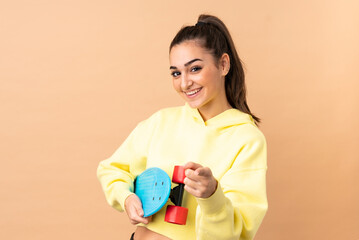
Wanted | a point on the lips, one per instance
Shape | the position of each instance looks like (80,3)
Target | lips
(193,92)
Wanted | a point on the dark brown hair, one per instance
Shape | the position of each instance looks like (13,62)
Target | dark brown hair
(214,36)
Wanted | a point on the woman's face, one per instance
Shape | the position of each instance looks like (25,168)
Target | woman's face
(198,78)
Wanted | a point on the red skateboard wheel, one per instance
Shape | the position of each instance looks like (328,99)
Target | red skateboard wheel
(176,214)
(178,174)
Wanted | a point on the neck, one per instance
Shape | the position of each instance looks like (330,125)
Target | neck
(208,112)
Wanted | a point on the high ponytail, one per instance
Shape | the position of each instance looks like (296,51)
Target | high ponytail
(215,37)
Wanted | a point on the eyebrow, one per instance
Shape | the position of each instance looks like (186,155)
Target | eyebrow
(188,63)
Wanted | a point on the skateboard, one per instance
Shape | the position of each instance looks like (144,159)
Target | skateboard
(153,187)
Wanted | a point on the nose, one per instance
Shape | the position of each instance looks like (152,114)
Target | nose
(186,82)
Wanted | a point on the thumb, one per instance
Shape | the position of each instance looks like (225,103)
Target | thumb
(140,211)
(138,208)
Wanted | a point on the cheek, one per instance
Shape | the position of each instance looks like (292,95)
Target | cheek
(212,82)
(207,79)
(176,85)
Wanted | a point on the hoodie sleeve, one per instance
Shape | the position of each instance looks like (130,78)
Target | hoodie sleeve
(239,204)
(117,173)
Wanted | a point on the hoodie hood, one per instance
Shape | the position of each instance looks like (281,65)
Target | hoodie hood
(228,118)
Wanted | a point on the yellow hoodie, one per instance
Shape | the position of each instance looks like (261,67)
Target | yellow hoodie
(229,144)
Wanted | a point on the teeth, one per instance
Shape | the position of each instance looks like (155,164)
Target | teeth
(193,92)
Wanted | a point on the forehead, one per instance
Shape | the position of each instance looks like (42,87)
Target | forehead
(186,51)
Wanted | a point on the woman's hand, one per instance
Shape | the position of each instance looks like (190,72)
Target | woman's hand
(199,180)
(134,210)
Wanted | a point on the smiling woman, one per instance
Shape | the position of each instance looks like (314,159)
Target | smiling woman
(214,136)
(200,81)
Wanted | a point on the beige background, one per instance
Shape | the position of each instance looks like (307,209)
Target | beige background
(76,77)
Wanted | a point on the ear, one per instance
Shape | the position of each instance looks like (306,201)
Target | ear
(224,64)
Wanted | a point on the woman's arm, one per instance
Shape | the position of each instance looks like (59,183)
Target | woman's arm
(237,206)
(117,173)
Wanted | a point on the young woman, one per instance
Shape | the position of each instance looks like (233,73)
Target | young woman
(214,135)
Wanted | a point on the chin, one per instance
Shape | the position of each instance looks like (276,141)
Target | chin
(194,104)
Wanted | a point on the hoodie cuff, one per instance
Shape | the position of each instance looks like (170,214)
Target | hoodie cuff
(123,197)
(214,203)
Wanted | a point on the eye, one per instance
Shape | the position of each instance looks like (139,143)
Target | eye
(175,74)
(195,69)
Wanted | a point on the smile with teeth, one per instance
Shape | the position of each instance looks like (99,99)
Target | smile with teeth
(192,92)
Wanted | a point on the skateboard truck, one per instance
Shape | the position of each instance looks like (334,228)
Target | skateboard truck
(176,195)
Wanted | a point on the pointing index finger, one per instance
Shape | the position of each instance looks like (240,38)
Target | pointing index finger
(192,165)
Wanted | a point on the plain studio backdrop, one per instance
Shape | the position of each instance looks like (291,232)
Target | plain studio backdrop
(77,76)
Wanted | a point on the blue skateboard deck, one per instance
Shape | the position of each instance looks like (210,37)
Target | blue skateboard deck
(153,187)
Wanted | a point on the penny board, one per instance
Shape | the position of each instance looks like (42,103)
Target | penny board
(153,187)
